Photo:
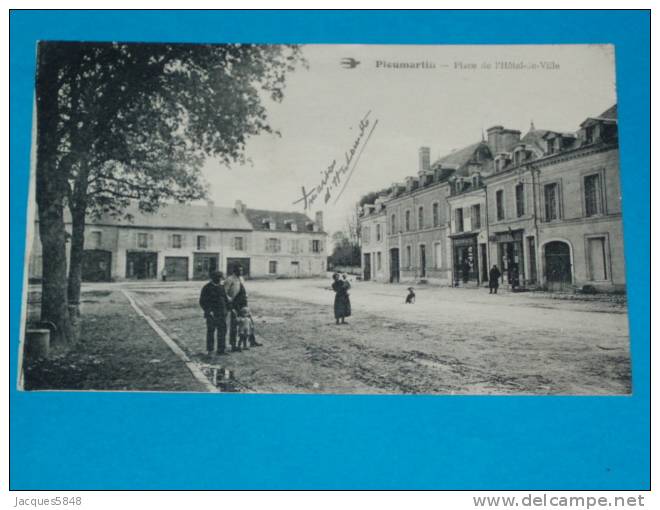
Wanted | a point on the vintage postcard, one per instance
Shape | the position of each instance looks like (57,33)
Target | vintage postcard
(335,219)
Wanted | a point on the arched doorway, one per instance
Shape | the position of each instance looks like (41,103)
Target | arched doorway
(558,270)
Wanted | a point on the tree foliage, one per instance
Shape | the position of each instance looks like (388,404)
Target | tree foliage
(370,198)
(122,122)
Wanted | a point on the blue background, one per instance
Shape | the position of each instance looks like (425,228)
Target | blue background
(162,441)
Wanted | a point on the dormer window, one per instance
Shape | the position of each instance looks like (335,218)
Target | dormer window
(518,157)
(590,134)
(291,225)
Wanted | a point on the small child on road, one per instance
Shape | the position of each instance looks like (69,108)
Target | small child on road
(245,327)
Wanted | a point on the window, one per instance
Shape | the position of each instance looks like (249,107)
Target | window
(499,204)
(202,242)
(593,196)
(366,234)
(420,218)
(393,224)
(550,192)
(589,134)
(379,234)
(408,257)
(176,241)
(379,261)
(438,255)
(97,239)
(273,245)
(459,220)
(272,267)
(294,246)
(520,200)
(518,157)
(239,243)
(597,258)
(316,246)
(476,216)
(407,221)
(436,214)
(142,240)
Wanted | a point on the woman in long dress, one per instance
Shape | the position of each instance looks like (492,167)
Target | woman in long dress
(342,300)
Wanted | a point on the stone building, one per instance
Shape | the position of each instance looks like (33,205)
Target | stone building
(188,242)
(375,257)
(544,207)
(286,244)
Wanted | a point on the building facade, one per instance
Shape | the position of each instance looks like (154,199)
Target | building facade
(545,208)
(373,238)
(286,244)
(188,242)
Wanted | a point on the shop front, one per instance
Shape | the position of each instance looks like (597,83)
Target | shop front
(510,256)
(466,260)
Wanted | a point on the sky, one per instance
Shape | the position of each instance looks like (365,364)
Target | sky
(444,104)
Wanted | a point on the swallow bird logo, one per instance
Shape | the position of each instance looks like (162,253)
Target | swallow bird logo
(349,63)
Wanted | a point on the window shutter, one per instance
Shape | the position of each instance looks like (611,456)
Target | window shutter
(150,241)
(135,239)
(183,240)
(170,240)
(208,240)
(311,246)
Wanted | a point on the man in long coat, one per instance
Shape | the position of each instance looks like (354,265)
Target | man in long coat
(494,279)
(214,302)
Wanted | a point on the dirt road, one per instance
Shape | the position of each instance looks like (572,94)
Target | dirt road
(452,341)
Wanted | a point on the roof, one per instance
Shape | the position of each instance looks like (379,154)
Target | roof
(179,216)
(257,217)
(610,113)
(534,138)
(459,157)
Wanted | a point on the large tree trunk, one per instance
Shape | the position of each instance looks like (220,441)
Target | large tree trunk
(76,256)
(51,189)
(78,208)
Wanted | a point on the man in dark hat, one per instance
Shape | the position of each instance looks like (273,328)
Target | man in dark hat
(214,302)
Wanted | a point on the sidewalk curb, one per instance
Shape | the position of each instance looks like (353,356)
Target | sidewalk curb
(194,369)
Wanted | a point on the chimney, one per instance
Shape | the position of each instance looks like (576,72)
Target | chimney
(510,138)
(424,160)
(495,139)
(319,219)
(240,207)
(211,206)
(502,140)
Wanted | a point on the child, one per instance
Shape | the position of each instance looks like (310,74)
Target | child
(245,327)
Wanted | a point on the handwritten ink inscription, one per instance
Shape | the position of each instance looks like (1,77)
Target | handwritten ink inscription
(335,174)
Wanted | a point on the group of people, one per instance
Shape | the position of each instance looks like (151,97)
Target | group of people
(225,306)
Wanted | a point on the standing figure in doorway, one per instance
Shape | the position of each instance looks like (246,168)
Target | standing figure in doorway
(465,268)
